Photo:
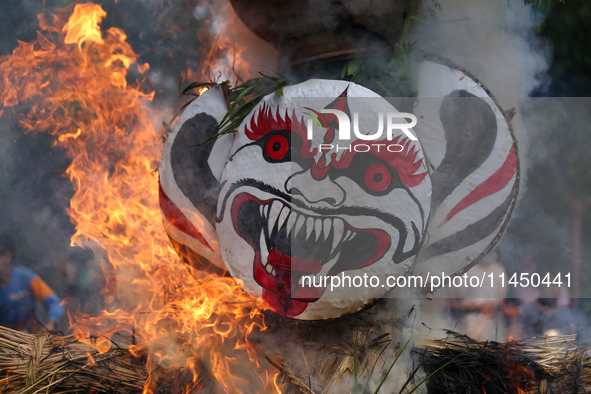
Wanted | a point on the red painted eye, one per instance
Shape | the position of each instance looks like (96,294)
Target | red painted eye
(277,147)
(377,177)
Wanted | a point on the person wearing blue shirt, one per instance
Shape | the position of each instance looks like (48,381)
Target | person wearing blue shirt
(20,290)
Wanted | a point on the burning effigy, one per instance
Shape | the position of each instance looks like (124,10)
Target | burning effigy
(248,187)
(299,226)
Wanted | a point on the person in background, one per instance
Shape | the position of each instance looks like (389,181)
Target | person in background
(20,289)
(547,317)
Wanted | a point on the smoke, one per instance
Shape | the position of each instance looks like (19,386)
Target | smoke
(490,38)
(494,39)
(235,53)
(39,224)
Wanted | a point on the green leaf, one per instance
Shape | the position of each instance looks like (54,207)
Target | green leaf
(195,85)
(407,19)
(374,367)
(242,94)
(345,70)
(269,77)
(239,106)
(392,366)
(355,67)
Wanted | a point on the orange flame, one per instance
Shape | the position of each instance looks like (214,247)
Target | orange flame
(224,59)
(90,360)
(229,49)
(519,374)
(74,78)
(83,25)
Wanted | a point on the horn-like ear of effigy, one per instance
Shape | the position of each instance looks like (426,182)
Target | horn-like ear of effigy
(189,181)
(474,167)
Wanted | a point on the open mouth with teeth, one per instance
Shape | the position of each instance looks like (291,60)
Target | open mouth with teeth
(289,245)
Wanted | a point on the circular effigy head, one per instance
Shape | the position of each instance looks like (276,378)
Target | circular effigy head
(326,183)
(297,210)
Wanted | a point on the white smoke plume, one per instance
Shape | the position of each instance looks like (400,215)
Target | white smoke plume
(494,39)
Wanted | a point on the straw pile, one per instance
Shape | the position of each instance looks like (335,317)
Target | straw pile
(46,363)
(538,365)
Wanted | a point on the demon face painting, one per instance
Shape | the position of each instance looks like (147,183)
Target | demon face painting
(296,210)
(292,202)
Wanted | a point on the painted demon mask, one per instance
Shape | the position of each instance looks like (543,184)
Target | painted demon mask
(298,211)
(283,210)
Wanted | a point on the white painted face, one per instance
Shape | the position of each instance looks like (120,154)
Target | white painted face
(290,208)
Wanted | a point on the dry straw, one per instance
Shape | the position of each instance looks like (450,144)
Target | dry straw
(47,363)
(538,365)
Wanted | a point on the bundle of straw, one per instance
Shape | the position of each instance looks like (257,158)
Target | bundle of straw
(47,363)
(538,365)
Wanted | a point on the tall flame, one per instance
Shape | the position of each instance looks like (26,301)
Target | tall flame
(74,81)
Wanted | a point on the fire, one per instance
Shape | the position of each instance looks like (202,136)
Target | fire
(90,360)
(74,82)
(83,25)
(224,56)
(224,39)
(520,376)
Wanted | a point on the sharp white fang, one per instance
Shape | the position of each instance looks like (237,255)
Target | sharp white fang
(309,227)
(266,210)
(338,233)
(327,227)
(262,210)
(264,249)
(269,268)
(272,271)
(329,264)
(283,216)
(273,215)
(318,228)
(299,223)
(291,219)
(348,235)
